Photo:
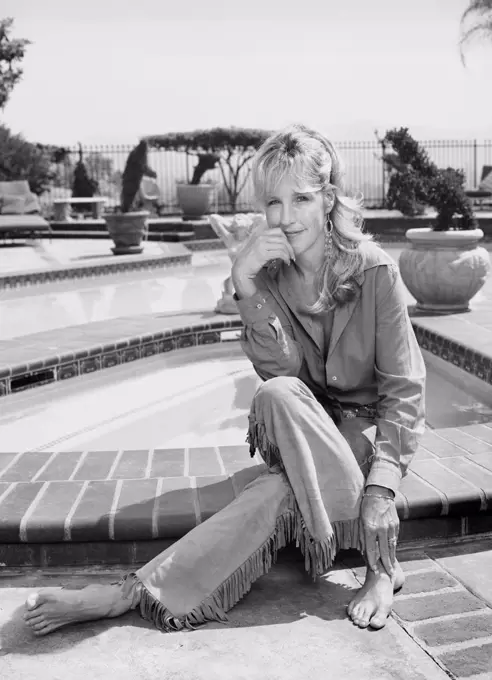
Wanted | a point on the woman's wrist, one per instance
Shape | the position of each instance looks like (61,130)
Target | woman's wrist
(379,491)
(243,286)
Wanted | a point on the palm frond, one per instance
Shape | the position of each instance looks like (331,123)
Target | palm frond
(482,28)
(480,7)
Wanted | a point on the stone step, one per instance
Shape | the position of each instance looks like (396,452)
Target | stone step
(177,236)
(107,507)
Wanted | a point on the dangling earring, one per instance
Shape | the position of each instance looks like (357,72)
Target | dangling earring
(328,238)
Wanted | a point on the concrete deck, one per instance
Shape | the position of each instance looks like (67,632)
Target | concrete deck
(286,627)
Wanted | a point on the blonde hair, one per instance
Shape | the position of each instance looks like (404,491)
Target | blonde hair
(312,162)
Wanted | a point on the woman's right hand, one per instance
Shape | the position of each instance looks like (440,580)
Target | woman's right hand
(263,245)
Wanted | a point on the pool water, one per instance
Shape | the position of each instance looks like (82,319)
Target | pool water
(50,306)
(191,397)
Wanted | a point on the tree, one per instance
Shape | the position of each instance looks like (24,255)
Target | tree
(232,148)
(83,185)
(99,166)
(20,159)
(480,14)
(12,52)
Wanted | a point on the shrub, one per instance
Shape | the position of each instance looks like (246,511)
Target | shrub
(135,168)
(83,186)
(415,182)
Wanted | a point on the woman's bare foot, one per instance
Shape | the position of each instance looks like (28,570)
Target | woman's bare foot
(372,604)
(52,608)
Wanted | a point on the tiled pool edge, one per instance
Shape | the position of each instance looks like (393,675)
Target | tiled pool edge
(43,371)
(473,362)
(72,364)
(62,273)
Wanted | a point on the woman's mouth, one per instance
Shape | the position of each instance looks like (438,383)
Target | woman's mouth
(292,234)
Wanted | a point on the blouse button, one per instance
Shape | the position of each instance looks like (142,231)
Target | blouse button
(334,377)
(259,306)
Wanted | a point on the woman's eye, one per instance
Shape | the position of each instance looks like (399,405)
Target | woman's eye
(302,197)
(272,201)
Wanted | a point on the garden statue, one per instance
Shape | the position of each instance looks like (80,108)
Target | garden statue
(233,231)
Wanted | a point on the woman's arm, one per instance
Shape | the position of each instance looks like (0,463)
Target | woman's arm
(267,338)
(400,372)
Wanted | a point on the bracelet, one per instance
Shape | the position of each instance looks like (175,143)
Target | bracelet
(378,495)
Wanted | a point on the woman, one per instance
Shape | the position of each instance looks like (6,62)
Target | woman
(337,418)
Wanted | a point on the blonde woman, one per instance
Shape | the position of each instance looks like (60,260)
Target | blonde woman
(337,418)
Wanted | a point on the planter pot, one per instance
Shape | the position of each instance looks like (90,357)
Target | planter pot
(127,231)
(195,199)
(443,270)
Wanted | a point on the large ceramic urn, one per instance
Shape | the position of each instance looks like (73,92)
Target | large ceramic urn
(444,270)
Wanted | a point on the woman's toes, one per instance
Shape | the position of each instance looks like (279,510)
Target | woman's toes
(362,621)
(31,614)
(45,629)
(39,625)
(33,601)
(32,620)
(379,619)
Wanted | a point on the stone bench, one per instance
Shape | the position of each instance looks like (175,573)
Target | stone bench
(62,206)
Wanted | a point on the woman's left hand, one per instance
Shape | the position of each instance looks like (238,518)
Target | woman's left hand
(380,525)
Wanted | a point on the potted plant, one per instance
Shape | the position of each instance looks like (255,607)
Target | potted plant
(127,226)
(228,148)
(83,186)
(444,266)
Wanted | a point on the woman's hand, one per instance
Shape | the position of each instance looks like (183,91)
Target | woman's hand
(263,245)
(380,524)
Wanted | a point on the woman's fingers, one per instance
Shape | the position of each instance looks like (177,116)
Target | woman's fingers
(277,236)
(392,542)
(372,552)
(381,524)
(393,532)
(273,252)
(384,551)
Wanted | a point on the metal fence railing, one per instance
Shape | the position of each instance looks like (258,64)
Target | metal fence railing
(362,160)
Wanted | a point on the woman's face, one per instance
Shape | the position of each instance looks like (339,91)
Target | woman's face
(300,215)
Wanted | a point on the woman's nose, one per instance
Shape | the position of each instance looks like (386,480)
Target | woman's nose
(286,215)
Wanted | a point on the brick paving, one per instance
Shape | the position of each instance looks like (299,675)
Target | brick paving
(439,611)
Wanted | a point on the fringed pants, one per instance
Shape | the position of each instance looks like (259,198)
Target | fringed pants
(205,573)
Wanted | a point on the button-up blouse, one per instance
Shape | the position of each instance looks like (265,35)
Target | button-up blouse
(370,353)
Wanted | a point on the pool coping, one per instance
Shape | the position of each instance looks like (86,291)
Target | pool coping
(83,507)
(177,254)
(64,353)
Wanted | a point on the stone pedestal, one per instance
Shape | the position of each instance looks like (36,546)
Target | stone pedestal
(227,304)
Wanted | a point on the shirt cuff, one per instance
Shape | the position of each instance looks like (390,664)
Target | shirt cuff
(384,474)
(254,308)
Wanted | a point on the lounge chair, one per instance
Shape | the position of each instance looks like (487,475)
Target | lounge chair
(484,189)
(19,212)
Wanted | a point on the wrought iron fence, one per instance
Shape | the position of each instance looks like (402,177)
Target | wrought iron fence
(363,164)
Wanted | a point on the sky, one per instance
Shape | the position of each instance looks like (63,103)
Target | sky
(111,71)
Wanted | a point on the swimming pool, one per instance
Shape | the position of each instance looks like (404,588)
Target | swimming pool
(192,397)
(50,306)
